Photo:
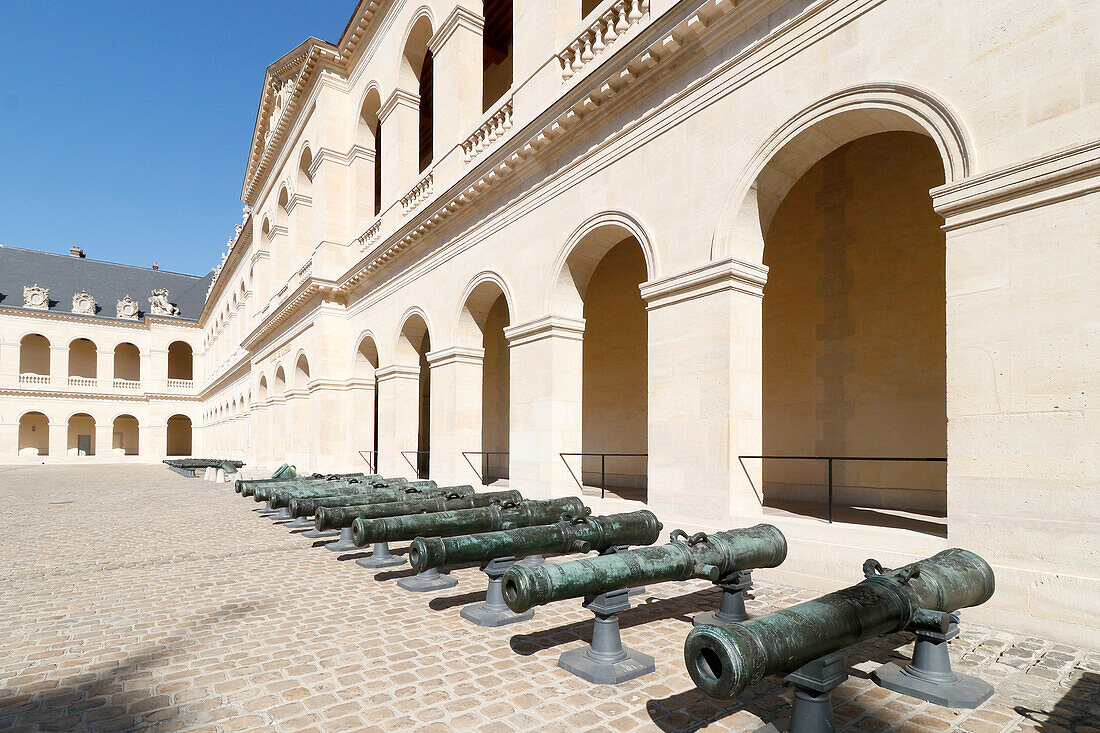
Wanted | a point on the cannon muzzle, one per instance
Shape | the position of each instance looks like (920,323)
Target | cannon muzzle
(723,661)
(339,515)
(702,555)
(571,534)
(505,515)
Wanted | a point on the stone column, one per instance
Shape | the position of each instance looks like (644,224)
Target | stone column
(9,437)
(105,369)
(103,439)
(362,182)
(399,403)
(400,119)
(154,371)
(358,425)
(59,366)
(540,30)
(705,404)
(545,404)
(9,363)
(458,48)
(59,438)
(455,413)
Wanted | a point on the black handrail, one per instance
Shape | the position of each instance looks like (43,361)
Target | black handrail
(371,462)
(830,460)
(416,468)
(467,453)
(603,467)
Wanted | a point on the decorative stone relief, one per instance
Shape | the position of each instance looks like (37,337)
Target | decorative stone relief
(159,305)
(83,303)
(36,296)
(127,308)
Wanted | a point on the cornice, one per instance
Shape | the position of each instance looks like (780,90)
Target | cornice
(397,371)
(1047,179)
(714,277)
(298,199)
(142,323)
(564,327)
(455,355)
(307,290)
(96,396)
(460,17)
(398,98)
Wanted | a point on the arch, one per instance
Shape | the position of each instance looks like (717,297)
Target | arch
(365,359)
(305,163)
(127,363)
(369,135)
(477,298)
(583,251)
(83,358)
(34,434)
(416,73)
(265,230)
(413,345)
(180,361)
(415,328)
(81,439)
(178,436)
(279,383)
(34,355)
(301,371)
(261,390)
(818,130)
(125,435)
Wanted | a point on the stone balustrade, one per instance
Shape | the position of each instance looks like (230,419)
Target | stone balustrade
(370,237)
(83,382)
(128,385)
(181,384)
(417,194)
(34,379)
(494,124)
(613,18)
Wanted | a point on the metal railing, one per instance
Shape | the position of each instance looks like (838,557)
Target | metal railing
(422,464)
(484,474)
(372,461)
(603,467)
(831,459)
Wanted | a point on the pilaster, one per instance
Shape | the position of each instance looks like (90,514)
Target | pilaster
(400,121)
(399,422)
(455,412)
(459,58)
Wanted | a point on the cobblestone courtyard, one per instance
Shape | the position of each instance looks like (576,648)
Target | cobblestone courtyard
(134,599)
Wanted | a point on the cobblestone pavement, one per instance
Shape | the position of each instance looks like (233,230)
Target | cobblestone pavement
(134,599)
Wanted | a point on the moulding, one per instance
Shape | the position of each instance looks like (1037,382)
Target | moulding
(297,199)
(397,98)
(1063,174)
(564,327)
(460,17)
(397,371)
(714,277)
(455,355)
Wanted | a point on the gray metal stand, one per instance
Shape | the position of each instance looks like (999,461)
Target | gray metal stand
(732,607)
(266,510)
(427,581)
(615,549)
(929,676)
(813,683)
(281,515)
(494,612)
(532,561)
(300,523)
(606,661)
(314,534)
(344,544)
(380,557)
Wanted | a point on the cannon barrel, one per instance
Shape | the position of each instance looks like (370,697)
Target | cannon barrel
(335,516)
(308,506)
(571,534)
(280,498)
(262,485)
(723,661)
(709,556)
(240,484)
(318,487)
(505,515)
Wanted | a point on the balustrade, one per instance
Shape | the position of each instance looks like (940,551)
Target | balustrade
(83,382)
(34,378)
(611,22)
(129,385)
(495,123)
(417,194)
(370,237)
(181,384)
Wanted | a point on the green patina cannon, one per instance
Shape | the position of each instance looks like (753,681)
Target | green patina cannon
(338,516)
(280,496)
(285,471)
(806,641)
(571,534)
(307,507)
(247,486)
(368,493)
(503,515)
(188,466)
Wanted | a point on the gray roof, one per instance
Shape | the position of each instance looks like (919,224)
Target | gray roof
(107,282)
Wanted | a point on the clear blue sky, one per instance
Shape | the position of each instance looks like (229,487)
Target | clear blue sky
(124,126)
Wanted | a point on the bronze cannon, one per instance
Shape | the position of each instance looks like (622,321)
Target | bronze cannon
(335,514)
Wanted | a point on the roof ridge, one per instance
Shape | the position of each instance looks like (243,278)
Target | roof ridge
(102,262)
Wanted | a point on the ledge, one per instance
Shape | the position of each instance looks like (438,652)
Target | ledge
(564,327)
(714,277)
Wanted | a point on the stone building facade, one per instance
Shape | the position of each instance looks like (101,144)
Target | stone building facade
(639,244)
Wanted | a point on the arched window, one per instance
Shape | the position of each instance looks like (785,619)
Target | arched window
(279,385)
(301,372)
(412,348)
(180,361)
(497,51)
(127,363)
(82,359)
(125,433)
(179,436)
(81,435)
(370,137)
(34,356)
(34,435)
(416,75)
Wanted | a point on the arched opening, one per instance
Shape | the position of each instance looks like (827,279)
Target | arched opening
(261,392)
(365,368)
(417,73)
(496,51)
(125,435)
(370,137)
(127,363)
(301,372)
(854,332)
(484,317)
(81,435)
(34,356)
(601,277)
(179,436)
(305,178)
(413,346)
(279,385)
(180,362)
(82,359)
(587,6)
(34,435)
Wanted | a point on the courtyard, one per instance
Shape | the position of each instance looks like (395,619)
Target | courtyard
(134,599)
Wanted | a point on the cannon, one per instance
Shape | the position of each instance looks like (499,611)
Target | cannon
(240,484)
(280,497)
(505,515)
(604,582)
(807,638)
(307,507)
(385,495)
(500,549)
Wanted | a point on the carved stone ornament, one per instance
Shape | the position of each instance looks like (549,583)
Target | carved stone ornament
(36,296)
(159,305)
(83,303)
(127,308)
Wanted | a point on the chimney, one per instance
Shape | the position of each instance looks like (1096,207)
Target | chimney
(155,265)
(75,251)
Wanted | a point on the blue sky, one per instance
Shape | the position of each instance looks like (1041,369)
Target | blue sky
(124,126)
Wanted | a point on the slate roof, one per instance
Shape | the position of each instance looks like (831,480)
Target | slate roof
(107,282)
